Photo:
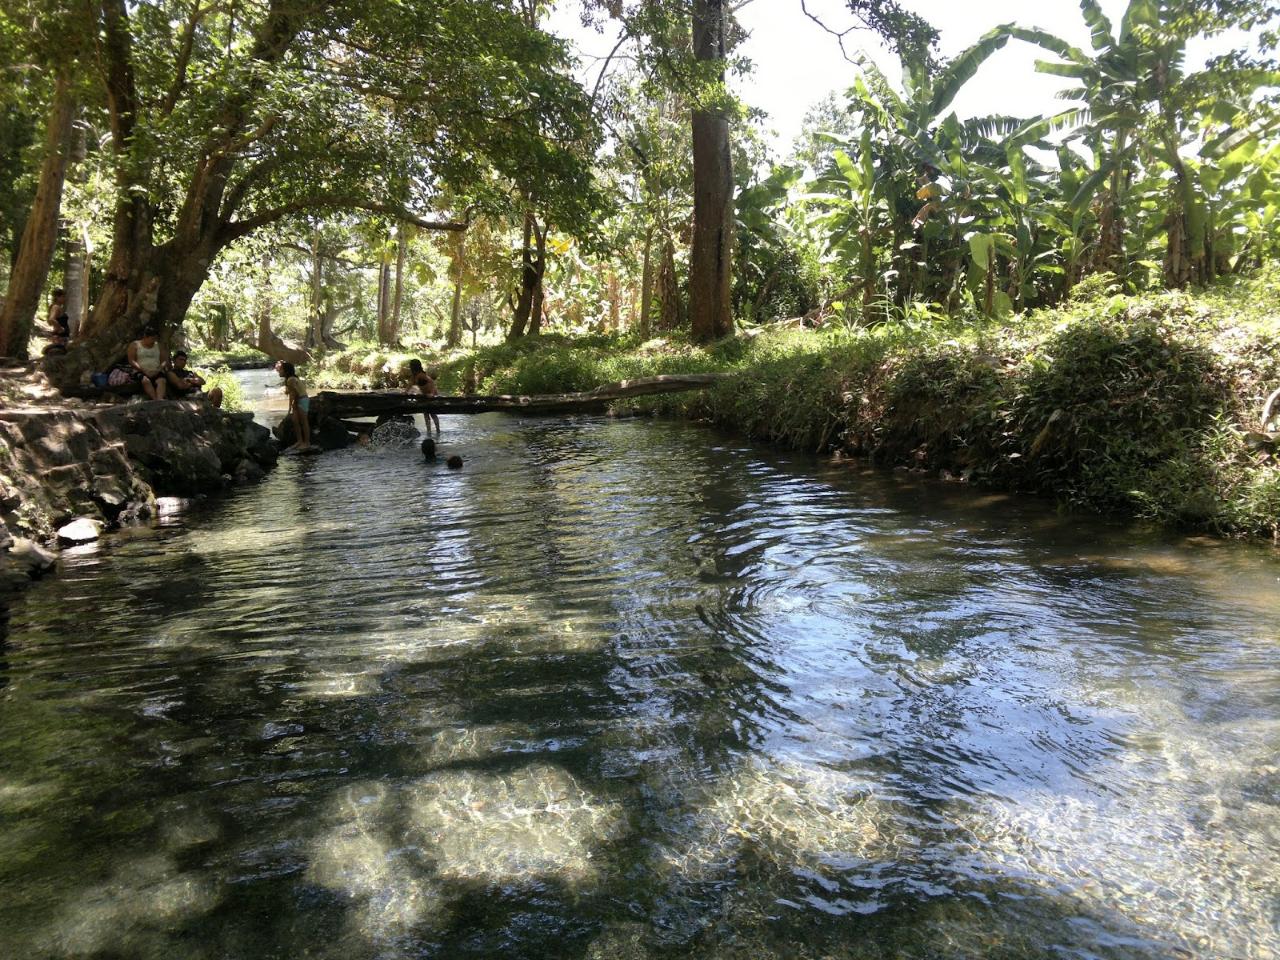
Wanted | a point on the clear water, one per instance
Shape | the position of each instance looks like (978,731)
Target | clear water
(628,690)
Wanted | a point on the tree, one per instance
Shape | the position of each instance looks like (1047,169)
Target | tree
(39,38)
(710,260)
(692,61)
(228,119)
(35,249)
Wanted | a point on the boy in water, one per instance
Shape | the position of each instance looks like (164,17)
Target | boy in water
(299,405)
(423,383)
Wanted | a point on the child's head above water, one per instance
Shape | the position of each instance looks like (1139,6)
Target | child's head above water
(415,366)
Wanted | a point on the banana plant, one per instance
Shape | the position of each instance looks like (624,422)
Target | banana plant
(854,216)
(1138,106)
(763,238)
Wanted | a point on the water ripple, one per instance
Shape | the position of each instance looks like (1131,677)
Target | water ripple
(619,689)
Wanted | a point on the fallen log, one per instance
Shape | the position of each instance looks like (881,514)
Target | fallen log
(346,404)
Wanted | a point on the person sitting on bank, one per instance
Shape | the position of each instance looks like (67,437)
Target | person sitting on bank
(147,357)
(421,382)
(186,384)
(299,405)
(59,320)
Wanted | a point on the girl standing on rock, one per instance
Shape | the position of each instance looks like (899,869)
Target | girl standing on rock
(423,383)
(147,358)
(299,405)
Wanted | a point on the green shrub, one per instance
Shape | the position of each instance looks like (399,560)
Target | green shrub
(224,377)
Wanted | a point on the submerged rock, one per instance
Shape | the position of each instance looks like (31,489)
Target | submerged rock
(395,433)
(23,560)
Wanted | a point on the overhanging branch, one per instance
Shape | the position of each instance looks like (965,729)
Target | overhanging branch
(241,228)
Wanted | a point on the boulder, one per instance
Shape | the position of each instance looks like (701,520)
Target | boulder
(82,530)
(189,448)
(327,434)
(30,558)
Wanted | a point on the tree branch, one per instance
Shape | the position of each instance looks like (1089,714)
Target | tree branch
(241,228)
(198,13)
(626,35)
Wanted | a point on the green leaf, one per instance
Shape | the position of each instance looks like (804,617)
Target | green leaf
(1091,185)
(980,247)
(1099,25)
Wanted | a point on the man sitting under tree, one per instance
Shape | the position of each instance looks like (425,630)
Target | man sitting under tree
(187,384)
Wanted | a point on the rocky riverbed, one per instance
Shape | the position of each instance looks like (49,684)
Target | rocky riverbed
(71,470)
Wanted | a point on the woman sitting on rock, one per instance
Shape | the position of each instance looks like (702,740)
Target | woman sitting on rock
(147,357)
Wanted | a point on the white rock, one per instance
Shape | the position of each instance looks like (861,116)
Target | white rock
(80,531)
(171,506)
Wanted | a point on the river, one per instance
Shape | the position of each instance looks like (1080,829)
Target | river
(631,689)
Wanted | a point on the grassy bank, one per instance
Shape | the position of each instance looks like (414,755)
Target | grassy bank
(1143,407)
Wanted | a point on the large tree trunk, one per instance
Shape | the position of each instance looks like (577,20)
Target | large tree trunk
(613,291)
(402,250)
(75,276)
(145,286)
(459,269)
(315,329)
(384,297)
(538,305)
(269,342)
(709,263)
(330,317)
(530,279)
(646,286)
(671,309)
(35,249)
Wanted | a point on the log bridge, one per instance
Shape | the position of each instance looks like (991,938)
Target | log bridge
(346,404)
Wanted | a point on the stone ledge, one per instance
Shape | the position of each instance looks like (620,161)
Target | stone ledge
(107,464)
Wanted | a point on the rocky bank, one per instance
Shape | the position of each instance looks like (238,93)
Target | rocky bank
(71,470)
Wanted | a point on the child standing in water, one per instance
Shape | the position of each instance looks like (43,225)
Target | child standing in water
(422,382)
(299,405)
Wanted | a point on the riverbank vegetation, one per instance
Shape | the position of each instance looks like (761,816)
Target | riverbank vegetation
(1143,406)
(1041,302)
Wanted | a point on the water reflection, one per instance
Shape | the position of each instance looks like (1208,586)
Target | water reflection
(628,690)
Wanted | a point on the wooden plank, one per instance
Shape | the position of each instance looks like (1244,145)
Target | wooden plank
(370,403)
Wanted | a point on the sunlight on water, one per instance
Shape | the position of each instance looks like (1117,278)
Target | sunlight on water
(397,852)
(389,883)
(791,815)
(537,822)
(1194,857)
(134,909)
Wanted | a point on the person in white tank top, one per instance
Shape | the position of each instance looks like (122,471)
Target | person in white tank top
(147,357)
